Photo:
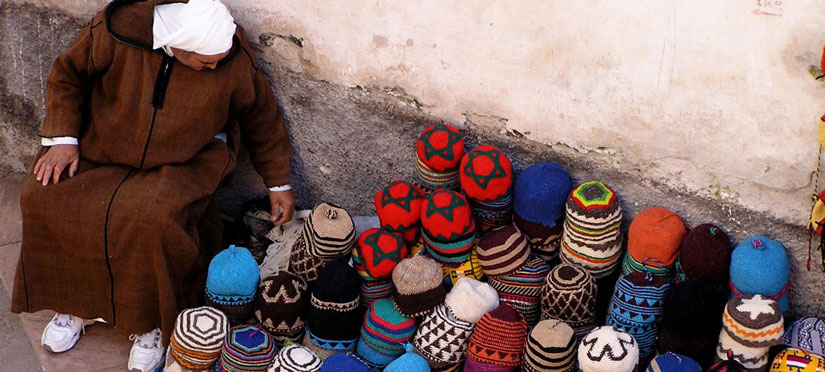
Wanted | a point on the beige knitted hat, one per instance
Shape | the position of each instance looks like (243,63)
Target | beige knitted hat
(418,286)
(329,232)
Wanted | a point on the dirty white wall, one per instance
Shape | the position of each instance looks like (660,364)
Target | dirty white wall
(713,97)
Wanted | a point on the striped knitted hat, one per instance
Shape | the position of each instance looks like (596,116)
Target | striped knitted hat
(636,308)
(344,362)
(377,253)
(448,227)
(540,193)
(334,316)
(442,338)
(231,283)
(607,349)
(502,251)
(543,241)
(760,266)
(294,358)
(375,290)
(329,232)
(705,254)
(522,289)
(797,360)
(551,347)
(487,180)
(281,299)
(653,242)
(398,207)
(807,334)
(438,151)
(497,341)
(470,299)
(470,269)
(417,286)
(670,362)
(197,339)
(384,332)
(751,325)
(569,295)
(246,348)
(592,236)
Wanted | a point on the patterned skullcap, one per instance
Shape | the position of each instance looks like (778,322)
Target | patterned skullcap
(334,316)
(383,333)
(569,295)
(417,286)
(751,325)
(294,358)
(442,338)
(522,288)
(470,269)
(246,348)
(592,236)
(448,227)
(797,360)
(807,334)
(197,339)
(636,308)
(377,253)
(398,207)
(607,349)
(551,347)
(439,150)
(543,241)
(281,299)
(329,232)
(502,251)
(498,340)
(487,180)
(231,283)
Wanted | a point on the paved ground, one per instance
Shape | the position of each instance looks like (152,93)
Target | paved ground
(16,353)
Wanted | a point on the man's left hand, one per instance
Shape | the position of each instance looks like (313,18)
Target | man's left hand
(283,206)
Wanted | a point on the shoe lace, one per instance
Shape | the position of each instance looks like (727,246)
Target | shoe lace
(66,320)
(147,340)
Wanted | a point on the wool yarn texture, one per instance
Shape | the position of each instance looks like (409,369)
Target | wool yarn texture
(376,254)
(442,338)
(807,334)
(344,362)
(409,362)
(607,349)
(522,289)
(294,358)
(197,339)
(760,266)
(502,251)
(470,299)
(670,362)
(797,360)
(231,282)
(398,206)
(333,319)
(448,227)
(592,234)
(543,241)
(246,348)
(636,308)
(303,263)
(281,300)
(705,254)
(329,232)
(690,320)
(540,193)
(551,347)
(653,241)
(375,290)
(384,332)
(486,176)
(751,325)
(438,151)
(417,286)
(569,295)
(497,341)
(470,269)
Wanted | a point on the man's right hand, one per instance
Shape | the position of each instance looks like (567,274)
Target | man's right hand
(54,161)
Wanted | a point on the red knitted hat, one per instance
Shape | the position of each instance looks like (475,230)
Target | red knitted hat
(440,147)
(486,174)
(705,254)
(446,216)
(377,253)
(656,233)
(498,338)
(399,208)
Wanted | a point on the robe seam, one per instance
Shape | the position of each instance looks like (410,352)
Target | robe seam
(106,247)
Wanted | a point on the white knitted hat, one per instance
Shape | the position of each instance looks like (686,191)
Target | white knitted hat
(470,299)
(607,349)
(294,358)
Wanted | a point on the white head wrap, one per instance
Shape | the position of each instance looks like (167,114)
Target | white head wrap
(200,26)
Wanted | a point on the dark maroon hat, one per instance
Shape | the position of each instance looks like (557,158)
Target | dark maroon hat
(705,254)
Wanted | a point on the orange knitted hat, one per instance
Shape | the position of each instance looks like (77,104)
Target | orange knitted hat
(656,233)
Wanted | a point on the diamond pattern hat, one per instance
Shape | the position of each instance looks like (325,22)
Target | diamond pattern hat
(551,347)
(592,236)
(448,227)
(281,299)
(569,295)
(636,308)
(197,340)
(303,263)
(399,209)
(377,253)
(522,288)
(438,152)
(487,180)
(231,283)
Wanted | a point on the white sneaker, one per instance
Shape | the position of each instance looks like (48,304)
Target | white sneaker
(146,353)
(62,332)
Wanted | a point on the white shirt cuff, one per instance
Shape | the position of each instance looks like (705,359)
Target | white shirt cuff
(280,188)
(58,141)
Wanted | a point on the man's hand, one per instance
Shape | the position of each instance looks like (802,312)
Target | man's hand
(55,160)
(283,206)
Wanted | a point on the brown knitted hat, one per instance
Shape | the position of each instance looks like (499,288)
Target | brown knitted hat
(569,295)
(329,232)
(503,250)
(418,286)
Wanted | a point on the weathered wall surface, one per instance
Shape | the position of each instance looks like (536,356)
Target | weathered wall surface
(706,109)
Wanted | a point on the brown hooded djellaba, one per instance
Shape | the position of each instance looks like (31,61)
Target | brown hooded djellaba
(120,240)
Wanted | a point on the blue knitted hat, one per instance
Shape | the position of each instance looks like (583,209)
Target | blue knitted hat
(233,277)
(345,362)
(670,362)
(540,193)
(760,266)
(409,362)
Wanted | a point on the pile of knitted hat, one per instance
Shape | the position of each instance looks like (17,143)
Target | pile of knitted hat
(705,255)
(569,295)
(231,282)
(592,237)
(197,340)
(334,316)
(383,334)
(279,305)
(636,308)
(417,286)
(295,358)
(376,254)
(653,242)
(487,180)
(438,151)
(443,335)
(497,341)
(247,348)
(328,235)
(398,206)
(539,198)
(551,347)
(760,266)
(607,349)
(448,227)
(751,324)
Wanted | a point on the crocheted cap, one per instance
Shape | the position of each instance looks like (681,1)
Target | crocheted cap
(607,349)
(540,193)
(398,206)
(442,338)
(247,348)
(670,362)
(543,241)
(232,277)
(375,290)
(409,362)
(521,288)
(807,334)
(294,358)
(197,339)
(440,147)
(753,321)
(569,295)
(760,265)
(446,216)
(705,254)
(329,231)
(303,263)
(499,338)
(748,357)
(281,299)
(656,233)
(383,333)
(334,313)
(468,269)
(797,360)
(592,236)
(470,299)
(344,362)
(377,253)
(636,308)
(551,346)
(417,285)
(502,250)
(486,174)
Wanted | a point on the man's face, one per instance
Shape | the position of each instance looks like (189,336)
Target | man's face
(197,61)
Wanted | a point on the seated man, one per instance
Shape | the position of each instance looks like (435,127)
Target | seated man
(145,113)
